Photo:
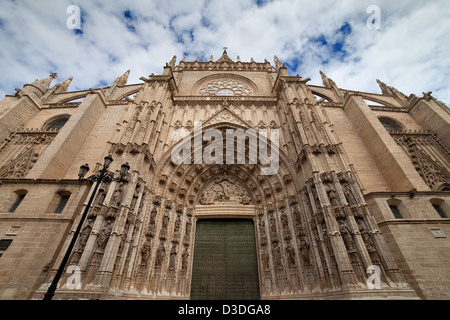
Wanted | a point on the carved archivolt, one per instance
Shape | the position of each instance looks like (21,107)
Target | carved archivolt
(224,188)
(227,87)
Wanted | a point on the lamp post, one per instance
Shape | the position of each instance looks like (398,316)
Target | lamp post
(103,175)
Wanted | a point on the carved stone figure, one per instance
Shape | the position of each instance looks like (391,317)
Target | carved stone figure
(365,235)
(332,196)
(304,250)
(160,254)
(117,196)
(185,259)
(173,256)
(346,235)
(349,195)
(165,220)
(84,236)
(104,236)
(145,251)
(276,255)
(290,254)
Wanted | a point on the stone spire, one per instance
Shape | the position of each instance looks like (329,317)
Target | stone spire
(172,62)
(330,84)
(391,91)
(278,63)
(38,87)
(62,87)
(44,84)
(122,80)
(225,57)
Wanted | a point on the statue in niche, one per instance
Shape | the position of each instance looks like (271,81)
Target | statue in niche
(304,250)
(346,235)
(276,255)
(273,226)
(135,197)
(117,195)
(290,254)
(185,259)
(84,236)
(146,247)
(262,227)
(165,220)
(332,196)
(153,216)
(101,196)
(284,221)
(176,228)
(160,255)
(349,195)
(296,215)
(365,235)
(173,256)
(104,236)
(188,227)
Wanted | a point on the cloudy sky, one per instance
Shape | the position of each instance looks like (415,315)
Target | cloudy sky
(408,47)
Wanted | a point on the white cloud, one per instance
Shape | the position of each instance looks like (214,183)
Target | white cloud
(410,52)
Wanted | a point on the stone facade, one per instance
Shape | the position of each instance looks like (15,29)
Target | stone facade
(363,182)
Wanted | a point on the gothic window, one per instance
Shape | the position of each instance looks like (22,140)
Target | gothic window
(440,211)
(19,195)
(59,202)
(390,124)
(395,211)
(56,123)
(225,88)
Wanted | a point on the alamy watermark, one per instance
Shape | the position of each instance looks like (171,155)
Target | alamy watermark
(74,20)
(212,153)
(374,20)
(74,280)
(374,279)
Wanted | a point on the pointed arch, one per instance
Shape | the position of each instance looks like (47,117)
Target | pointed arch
(184,182)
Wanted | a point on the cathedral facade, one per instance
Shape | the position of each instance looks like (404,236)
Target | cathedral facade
(357,208)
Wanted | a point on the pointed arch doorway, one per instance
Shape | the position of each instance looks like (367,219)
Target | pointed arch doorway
(225,260)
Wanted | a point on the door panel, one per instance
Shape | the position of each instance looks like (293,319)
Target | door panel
(225,260)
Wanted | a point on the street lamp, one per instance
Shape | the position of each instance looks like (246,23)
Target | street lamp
(103,176)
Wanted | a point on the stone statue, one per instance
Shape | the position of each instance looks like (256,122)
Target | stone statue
(290,254)
(185,259)
(160,255)
(173,256)
(346,235)
(84,236)
(104,236)
(332,196)
(304,250)
(145,251)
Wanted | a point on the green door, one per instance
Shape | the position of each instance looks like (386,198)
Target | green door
(225,264)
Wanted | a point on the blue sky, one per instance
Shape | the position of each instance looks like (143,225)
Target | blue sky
(410,51)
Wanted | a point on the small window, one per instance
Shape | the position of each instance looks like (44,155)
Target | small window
(58,202)
(62,203)
(395,212)
(440,211)
(4,244)
(20,195)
